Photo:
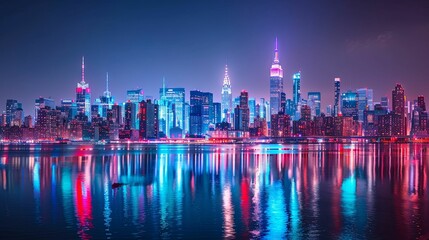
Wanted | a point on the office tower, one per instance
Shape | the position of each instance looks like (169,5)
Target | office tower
(337,97)
(283,102)
(421,103)
(148,115)
(385,103)
(11,106)
(226,97)
(252,110)
(244,111)
(329,110)
(201,104)
(297,90)
(276,83)
(305,113)
(129,106)
(134,96)
(237,118)
(262,108)
(173,103)
(280,125)
(314,99)
(28,121)
(116,114)
(349,104)
(83,94)
(187,113)
(398,108)
(106,100)
(217,112)
(365,101)
(42,102)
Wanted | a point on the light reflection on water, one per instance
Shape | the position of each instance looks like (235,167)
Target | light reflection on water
(214,191)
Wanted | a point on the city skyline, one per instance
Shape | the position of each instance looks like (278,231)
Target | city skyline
(390,51)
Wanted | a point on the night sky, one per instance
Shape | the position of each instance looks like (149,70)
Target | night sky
(370,43)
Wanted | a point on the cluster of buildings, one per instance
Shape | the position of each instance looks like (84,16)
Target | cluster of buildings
(173,116)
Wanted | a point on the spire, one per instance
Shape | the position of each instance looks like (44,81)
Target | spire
(276,54)
(163,86)
(107,81)
(83,69)
(226,80)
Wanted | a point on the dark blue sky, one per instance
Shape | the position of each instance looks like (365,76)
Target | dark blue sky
(366,43)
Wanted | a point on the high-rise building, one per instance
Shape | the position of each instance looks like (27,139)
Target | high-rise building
(217,112)
(276,83)
(42,102)
(385,103)
(421,103)
(365,101)
(349,104)
(283,102)
(337,97)
(148,115)
(129,106)
(171,109)
(252,110)
(83,94)
(134,96)
(11,106)
(398,108)
(244,111)
(297,90)
(262,108)
(201,114)
(226,97)
(314,99)
(106,100)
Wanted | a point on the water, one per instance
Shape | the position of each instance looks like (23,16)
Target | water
(309,191)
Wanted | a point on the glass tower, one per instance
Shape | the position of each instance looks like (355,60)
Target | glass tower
(276,83)
(226,106)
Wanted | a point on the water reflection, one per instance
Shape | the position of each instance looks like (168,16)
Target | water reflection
(221,191)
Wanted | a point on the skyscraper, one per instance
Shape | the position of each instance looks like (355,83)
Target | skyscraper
(313,102)
(276,83)
(106,101)
(252,110)
(244,110)
(148,115)
(226,97)
(83,94)
(366,101)
(201,112)
(349,104)
(337,97)
(297,90)
(398,108)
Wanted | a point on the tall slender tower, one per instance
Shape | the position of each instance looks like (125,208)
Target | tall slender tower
(226,106)
(398,108)
(297,90)
(276,83)
(337,97)
(83,94)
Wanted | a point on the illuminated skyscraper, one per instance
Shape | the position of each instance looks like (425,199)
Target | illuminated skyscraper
(398,108)
(226,107)
(349,104)
(366,101)
(276,83)
(297,90)
(106,101)
(313,102)
(337,97)
(83,94)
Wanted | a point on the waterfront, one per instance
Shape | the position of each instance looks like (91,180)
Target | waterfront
(330,191)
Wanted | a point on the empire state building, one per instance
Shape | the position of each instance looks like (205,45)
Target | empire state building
(226,105)
(276,83)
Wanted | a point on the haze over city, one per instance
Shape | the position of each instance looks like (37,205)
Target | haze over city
(188,43)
